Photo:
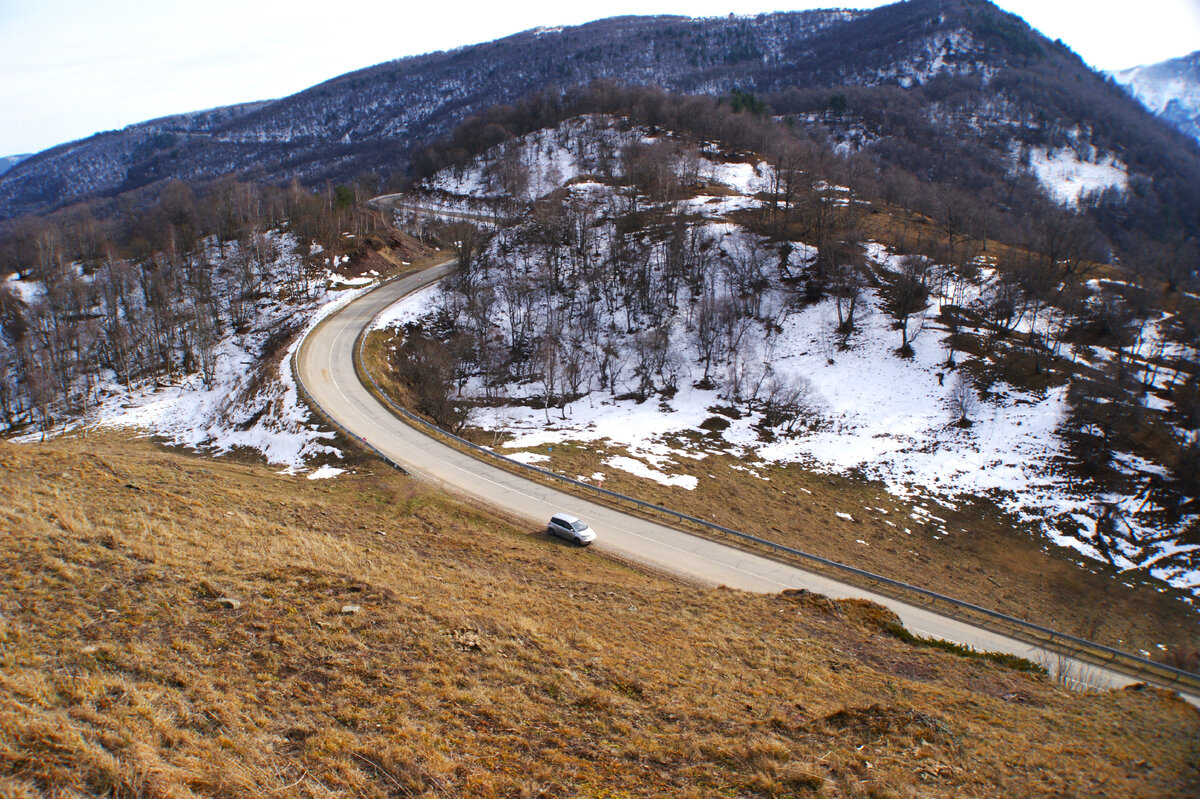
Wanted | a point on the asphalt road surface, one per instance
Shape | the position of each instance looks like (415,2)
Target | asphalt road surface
(325,368)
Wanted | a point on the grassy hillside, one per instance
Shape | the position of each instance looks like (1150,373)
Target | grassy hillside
(969,549)
(484,659)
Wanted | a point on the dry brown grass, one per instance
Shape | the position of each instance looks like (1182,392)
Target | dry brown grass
(979,553)
(486,660)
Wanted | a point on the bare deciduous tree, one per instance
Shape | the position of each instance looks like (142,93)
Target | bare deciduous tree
(786,400)
(909,295)
(963,400)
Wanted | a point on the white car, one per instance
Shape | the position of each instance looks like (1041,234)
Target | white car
(564,525)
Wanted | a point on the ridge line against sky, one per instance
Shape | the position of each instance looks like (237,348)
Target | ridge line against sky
(71,68)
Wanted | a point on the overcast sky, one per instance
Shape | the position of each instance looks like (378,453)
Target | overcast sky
(70,68)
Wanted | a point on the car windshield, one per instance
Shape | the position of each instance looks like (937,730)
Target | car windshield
(579,526)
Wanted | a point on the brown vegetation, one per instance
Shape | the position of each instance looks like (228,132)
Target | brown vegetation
(484,660)
(1000,563)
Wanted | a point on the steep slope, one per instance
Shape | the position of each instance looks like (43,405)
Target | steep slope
(389,641)
(1169,89)
(966,78)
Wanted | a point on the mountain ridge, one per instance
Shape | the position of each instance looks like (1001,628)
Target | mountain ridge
(1168,89)
(958,55)
(7,162)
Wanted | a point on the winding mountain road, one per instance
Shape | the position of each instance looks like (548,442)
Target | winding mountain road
(324,365)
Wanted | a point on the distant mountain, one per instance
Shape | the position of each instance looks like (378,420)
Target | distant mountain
(110,162)
(7,162)
(374,118)
(953,91)
(1170,89)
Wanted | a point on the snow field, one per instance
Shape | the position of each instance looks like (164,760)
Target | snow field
(227,414)
(887,417)
(1067,178)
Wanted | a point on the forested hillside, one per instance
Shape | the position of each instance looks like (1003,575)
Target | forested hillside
(954,93)
(203,292)
(667,294)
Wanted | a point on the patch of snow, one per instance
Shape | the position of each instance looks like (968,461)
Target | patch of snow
(748,179)
(528,457)
(719,207)
(1067,178)
(29,292)
(410,309)
(341,280)
(639,469)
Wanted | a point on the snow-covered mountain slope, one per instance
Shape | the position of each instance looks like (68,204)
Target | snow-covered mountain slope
(607,340)
(9,161)
(1169,89)
(115,160)
(241,394)
(939,88)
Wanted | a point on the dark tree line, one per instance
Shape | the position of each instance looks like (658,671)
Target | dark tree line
(146,293)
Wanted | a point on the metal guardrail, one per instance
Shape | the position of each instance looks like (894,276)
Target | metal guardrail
(493,218)
(1089,651)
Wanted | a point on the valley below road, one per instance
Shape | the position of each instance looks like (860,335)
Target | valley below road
(325,367)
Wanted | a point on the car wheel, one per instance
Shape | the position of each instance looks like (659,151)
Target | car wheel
(578,542)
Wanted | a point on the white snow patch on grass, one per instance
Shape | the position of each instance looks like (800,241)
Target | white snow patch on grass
(1067,178)
(528,457)
(639,469)
(637,427)
(341,280)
